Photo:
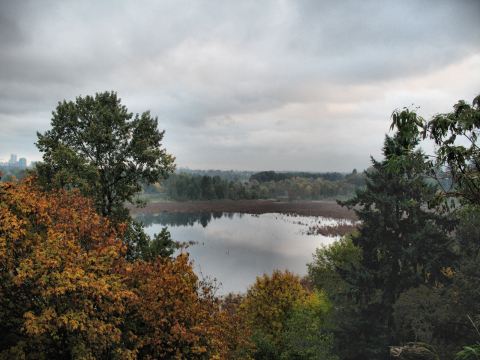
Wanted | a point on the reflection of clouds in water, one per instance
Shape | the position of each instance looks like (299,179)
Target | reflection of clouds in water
(237,248)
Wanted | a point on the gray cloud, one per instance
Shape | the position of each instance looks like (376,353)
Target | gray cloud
(241,84)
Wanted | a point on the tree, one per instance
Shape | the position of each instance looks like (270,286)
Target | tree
(99,147)
(457,158)
(60,293)
(237,331)
(456,136)
(267,306)
(67,291)
(333,271)
(174,316)
(285,319)
(207,187)
(305,335)
(403,239)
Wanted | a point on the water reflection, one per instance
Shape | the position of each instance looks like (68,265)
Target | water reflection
(182,219)
(235,248)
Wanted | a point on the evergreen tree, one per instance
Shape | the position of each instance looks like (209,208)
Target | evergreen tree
(403,240)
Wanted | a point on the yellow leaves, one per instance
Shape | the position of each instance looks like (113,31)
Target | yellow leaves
(63,271)
(37,325)
(269,301)
(199,349)
(448,272)
(60,255)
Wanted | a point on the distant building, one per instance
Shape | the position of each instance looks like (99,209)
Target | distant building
(13,160)
(22,163)
(13,163)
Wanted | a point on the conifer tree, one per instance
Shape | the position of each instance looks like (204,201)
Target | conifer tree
(404,241)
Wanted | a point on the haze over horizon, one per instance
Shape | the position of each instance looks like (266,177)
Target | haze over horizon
(271,85)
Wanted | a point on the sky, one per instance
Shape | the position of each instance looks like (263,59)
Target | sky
(256,85)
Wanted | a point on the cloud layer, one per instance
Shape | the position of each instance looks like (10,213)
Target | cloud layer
(300,85)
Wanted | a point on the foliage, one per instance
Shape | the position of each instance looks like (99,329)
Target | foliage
(230,175)
(404,244)
(285,319)
(456,136)
(269,301)
(183,186)
(9,174)
(304,336)
(59,294)
(174,315)
(418,312)
(266,176)
(236,330)
(333,270)
(463,160)
(203,187)
(469,353)
(97,146)
(443,315)
(330,263)
(67,291)
(141,246)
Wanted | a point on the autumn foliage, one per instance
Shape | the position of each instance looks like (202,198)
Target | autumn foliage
(174,316)
(269,301)
(285,319)
(67,291)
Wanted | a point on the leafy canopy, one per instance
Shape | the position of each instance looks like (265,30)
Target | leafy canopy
(456,136)
(67,291)
(99,147)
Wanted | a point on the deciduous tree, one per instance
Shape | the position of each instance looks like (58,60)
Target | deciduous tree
(60,296)
(99,147)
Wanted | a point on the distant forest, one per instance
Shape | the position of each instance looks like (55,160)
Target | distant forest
(11,174)
(186,184)
(215,184)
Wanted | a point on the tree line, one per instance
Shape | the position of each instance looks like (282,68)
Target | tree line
(262,185)
(12,174)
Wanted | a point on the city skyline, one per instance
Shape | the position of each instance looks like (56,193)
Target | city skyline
(15,162)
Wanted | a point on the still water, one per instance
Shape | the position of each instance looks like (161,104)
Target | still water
(235,248)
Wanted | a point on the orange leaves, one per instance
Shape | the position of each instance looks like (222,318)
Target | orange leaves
(174,317)
(66,290)
(58,255)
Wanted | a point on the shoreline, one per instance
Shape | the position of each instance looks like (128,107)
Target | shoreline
(323,208)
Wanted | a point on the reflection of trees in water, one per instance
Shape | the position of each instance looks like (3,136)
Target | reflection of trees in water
(182,219)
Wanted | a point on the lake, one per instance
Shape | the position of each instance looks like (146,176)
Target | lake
(235,248)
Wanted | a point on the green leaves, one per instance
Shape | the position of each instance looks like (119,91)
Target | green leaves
(97,146)
(456,136)
(469,353)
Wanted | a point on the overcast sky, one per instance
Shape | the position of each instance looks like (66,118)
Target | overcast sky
(283,85)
